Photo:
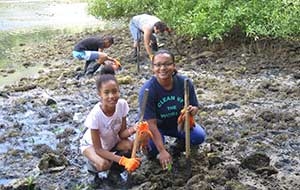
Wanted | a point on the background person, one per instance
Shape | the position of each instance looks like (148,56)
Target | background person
(91,50)
(147,25)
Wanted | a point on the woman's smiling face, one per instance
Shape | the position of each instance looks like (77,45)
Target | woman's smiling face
(163,66)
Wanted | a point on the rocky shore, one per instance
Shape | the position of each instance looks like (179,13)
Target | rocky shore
(250,107)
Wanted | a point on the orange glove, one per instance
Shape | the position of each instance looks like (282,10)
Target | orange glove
(151,56)
(144,135)
(131,164)
(181,120)
(116,65)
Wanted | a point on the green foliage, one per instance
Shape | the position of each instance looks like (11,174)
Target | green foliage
(30,182)
(212,18)
(109,9)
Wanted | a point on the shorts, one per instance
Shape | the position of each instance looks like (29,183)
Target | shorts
(84,145)
(135,32)
(86,55)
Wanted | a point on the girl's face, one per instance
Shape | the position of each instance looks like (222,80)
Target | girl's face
(109,93)
(163,66)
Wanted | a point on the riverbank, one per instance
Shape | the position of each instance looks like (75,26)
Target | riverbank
(27,22)
(249,95)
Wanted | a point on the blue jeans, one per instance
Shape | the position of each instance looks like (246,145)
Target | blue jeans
(135,32)
(197,136)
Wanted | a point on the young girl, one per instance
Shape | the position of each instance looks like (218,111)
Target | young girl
(106,125)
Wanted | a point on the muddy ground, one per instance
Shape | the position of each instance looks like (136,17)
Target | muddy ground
(249,94)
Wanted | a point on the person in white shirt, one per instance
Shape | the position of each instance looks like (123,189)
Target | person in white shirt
(147,25)
(107,129)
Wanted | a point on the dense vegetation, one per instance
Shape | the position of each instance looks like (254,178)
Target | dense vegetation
(212,18)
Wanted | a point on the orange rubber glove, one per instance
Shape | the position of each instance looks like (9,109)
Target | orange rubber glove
(181,120)
(117,65)
(144,135)
(130,164)
(151,56)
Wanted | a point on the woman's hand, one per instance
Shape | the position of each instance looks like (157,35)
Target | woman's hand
(192,109)
(165,159)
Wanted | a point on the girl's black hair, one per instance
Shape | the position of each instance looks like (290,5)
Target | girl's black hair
(107,73)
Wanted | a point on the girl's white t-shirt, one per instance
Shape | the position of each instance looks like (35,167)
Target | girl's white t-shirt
(108,127)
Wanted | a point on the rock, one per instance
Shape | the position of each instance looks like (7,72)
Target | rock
(23,88)
(255,161)
(203,54)
(10,71)
(236,185)
(22,183)
(61,117)
(48,100)
(266,170)
(50,160)
(230,106)
(269,116)
(200,185)
(297,75)
(195,179)
(4,94)
(213,159)
(124,79)
(41,149)
(231,172)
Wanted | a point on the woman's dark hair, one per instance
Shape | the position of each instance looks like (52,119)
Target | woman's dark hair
(164,51)
(107,73)
(162,27)
(109,39)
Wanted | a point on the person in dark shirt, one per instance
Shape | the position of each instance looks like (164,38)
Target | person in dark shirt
(91,50)
(166,89)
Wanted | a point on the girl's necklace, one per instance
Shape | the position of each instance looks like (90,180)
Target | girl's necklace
(107,112)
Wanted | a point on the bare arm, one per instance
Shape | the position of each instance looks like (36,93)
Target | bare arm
(125,133)
(157,139)
(98,147)
(147,37)
(164,156)
(111,59)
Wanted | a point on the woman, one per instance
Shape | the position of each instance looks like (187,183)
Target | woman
(166,89)
(146,24)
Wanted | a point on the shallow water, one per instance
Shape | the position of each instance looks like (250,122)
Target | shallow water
(33,21)
(22,15)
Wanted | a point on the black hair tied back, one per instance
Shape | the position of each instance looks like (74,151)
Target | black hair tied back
(107,73)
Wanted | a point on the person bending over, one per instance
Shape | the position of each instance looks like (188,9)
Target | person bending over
(91,50)
(148,25)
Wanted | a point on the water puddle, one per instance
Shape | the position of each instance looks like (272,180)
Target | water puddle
(35,21)
(4,181)
(20,15)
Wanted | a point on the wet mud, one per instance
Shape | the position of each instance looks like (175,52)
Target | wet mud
(249,95)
